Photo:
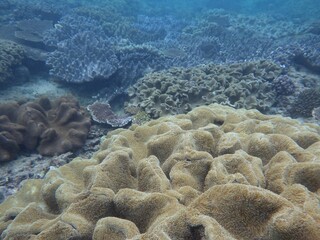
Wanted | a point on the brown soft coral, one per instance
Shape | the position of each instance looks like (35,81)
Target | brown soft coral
(68,128)
(208,174)
(11,134)
(50,127)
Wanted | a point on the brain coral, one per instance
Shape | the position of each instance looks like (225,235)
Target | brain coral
(51,127)
(11,55)
(214,173)
(178,90)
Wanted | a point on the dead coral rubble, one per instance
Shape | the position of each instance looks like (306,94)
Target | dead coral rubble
(214,173)
(51,127)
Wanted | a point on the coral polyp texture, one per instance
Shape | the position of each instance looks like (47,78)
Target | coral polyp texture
(178,90)
(214,173)
(50,127)
(11,56)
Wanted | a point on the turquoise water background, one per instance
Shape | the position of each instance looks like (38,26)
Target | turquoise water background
(289,8)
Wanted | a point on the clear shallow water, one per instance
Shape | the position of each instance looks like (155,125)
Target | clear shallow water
(98,50)
(288,8)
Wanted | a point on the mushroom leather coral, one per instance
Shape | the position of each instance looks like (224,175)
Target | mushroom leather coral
(11,133)
(50,127)
(214,173)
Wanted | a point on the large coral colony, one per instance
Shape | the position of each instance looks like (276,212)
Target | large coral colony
(50,127)
(202,153)
(214,173)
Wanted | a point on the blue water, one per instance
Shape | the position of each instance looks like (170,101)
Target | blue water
(288,8)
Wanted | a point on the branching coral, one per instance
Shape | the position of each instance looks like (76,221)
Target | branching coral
(215,172)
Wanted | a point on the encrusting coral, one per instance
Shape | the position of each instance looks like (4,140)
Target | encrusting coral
(214,173)
(51,127)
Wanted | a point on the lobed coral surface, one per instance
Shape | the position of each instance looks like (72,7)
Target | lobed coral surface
(51,127)
(214,173)
(178,90)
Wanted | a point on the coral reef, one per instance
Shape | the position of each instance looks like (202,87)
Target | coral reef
(229,40)
(86,52)
(152,29)
(32,31)
(130,47)
(137,60)
(102,113)
(302,50)
(11,134)
(11,56)
(178,90)
(213,173)
(305,102)
(274,27)
(34,165)
(316,113)
(83,52)
(50,127)
(31,9)
(283,85)
(79,59)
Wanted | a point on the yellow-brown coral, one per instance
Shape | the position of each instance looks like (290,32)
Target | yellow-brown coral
(178,90)
(214,173)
